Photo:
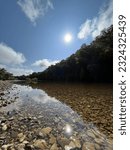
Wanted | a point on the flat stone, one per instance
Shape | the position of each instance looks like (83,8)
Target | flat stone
(88,146)
(40,144)
(63,141)
(99,140)
(77,143)
(91,134)
(52,139)
(21,146)
(45,131)
(54,147)
(4,127)
(21,137)
(72,145)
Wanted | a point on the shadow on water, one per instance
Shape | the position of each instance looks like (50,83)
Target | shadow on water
(53,113)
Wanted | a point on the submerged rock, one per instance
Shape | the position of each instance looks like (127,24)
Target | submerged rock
(40,144)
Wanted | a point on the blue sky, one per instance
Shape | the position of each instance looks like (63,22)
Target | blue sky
(32,31)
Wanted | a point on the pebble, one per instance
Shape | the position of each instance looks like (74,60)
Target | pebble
(52,139)
(21,137)
(63,142)
(76,143)
(54,147)
(46,130)
(91,134)
(40,144)
(4,127)
(88,146)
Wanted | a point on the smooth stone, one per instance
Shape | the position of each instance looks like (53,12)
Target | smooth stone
(77,143)
(4,127)
(52,139)
(63,141)
(99,140)
(54,147)
(5,147)
(45,131)
(21,146)
(21,137)
(72,145)
(14,134)
(88,146)
(91,134)
(40,144)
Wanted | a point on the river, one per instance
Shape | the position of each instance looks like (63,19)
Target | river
(47,104)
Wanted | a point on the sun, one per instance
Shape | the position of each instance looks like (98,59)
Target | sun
(68,38)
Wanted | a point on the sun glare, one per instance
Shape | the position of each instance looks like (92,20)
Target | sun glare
(68,38)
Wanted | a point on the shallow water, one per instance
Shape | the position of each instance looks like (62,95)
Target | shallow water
(51,112)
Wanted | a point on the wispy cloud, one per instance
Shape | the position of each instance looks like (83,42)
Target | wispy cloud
(96,25)
(9,56)
(44,63)
(34,9)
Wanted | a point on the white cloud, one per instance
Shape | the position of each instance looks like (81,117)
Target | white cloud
(19,71)
(45,63)
(33,9)
(12,61)
(2,66)
(9,56)
(96,25)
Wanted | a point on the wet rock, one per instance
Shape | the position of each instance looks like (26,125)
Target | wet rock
(4,127)
(88,146)
(97,146)
(54,147)
(29,147)
(5,147)
(52,139)
(99,140)
(2,137)
(10,119)
(76,142)
(2,94)
(91,134)
(72,145)
(21,146)
(13,134)
(40,144)
(45,131)
(76,148)
(21,137)
(63,142)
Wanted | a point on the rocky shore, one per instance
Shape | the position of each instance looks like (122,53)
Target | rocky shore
(27,129)
(4,85)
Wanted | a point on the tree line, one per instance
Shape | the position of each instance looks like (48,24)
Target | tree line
(91,63)
(4,75)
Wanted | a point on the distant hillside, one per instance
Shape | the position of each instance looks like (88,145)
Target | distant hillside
(91,63)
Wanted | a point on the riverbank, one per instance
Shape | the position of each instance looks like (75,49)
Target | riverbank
(4,85)
(30,128)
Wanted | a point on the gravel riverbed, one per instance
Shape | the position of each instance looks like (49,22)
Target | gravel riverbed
(43,126)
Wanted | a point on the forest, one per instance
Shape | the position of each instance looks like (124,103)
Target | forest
(4,75)
(91,63)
